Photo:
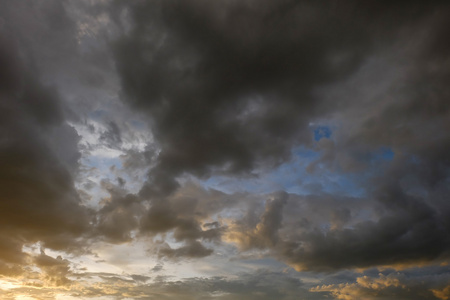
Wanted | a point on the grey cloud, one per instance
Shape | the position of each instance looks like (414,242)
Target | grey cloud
(230,86)
(416,283)
(412,226)
(263,234)
(397,99)
(328,233)
(120,214)
(261,284)
(140,278)
(121,181)
(55,269)
(192,249)
(134,159)
(408,284)
(157,268)
(39,156)
(111,136)
(409,190)
(184,214)
(271,220)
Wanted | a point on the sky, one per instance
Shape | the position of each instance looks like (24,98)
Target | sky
(224,149)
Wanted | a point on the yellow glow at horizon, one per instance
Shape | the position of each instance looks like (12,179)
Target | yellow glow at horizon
(10,284)
(23,297)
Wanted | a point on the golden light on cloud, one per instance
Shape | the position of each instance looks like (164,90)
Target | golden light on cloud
(443,294)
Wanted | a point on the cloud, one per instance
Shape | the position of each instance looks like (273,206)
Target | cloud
(394,285)
(230,86)
(327,232)
(119,215)
(443,294)
(261,284)
(187,214)
(157,268)
(39,158)
(112,136)
(264,234)
(193,249)
(55,269)
(160,96)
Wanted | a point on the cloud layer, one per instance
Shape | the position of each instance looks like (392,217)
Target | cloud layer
(158,124)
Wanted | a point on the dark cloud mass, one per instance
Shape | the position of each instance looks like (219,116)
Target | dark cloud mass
(38,161)
(231,87)
(290,149)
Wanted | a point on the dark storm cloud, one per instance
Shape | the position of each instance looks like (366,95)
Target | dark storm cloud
(230,88)
(329,233)
(229,85)
(38,155)
(233,86)
(410,114)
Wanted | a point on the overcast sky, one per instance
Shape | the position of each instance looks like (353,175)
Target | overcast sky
(224,149)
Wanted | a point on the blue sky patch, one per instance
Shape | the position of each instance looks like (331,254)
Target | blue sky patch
(322,132)
(292,177)
(383,154)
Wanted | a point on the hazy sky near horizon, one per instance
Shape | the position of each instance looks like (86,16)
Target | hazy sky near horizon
(224,149)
